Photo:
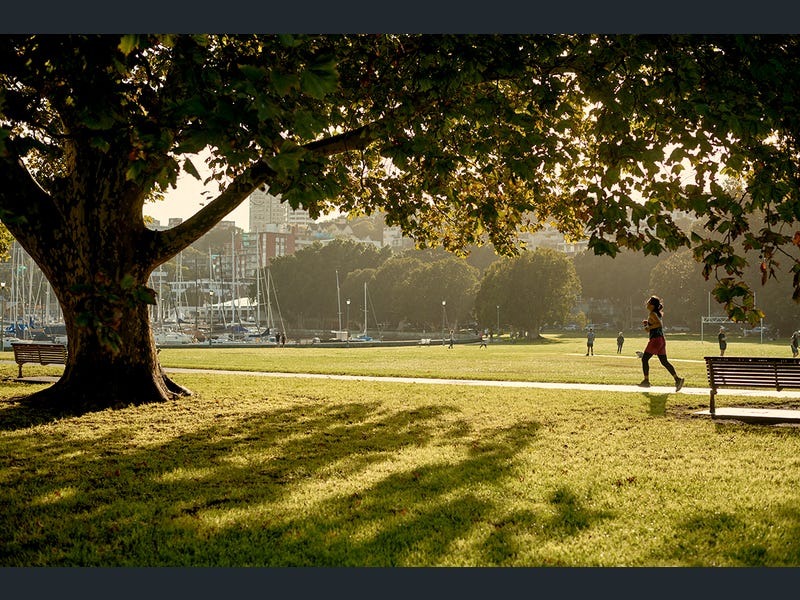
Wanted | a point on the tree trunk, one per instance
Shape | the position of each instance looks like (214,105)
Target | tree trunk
(110,364)
(87,235)
(98,262)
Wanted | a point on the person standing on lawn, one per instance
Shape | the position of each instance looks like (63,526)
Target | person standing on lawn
(657,344)
(723,342)
(590,342)
(620,342)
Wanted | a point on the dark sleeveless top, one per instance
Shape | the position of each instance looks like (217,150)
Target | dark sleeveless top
(657,332)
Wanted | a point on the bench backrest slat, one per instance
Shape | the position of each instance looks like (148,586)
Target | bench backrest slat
(44,354)
(735,371)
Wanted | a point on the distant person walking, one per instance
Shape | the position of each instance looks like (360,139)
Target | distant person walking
(620,341)
(590,342)
(795,343)
(723,342)
(451,339)
(482,338)
(657,344)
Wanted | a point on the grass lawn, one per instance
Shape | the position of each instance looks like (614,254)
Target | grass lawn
(297,471)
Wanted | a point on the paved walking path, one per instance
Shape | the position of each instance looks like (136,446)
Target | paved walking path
(481,382)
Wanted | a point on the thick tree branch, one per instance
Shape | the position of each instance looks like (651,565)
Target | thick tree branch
(167,244)
(26,209)
(357,139)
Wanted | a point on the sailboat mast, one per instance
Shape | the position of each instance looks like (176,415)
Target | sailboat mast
(258,288)
(339,300)
(178,292)
(235,314)
(270,320)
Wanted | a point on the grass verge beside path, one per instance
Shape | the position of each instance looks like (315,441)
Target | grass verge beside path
(284,472)
(552,360)
(556,358)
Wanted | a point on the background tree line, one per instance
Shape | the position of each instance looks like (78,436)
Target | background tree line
(540,288)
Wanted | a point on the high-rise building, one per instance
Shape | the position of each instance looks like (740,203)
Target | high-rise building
(298,219)
(267,213)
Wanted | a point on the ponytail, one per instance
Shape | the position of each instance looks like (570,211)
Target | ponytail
(655,302)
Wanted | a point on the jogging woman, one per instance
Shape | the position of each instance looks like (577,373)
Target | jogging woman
(656,345)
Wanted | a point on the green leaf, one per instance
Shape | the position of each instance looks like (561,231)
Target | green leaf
(318,84)
(127,282)
(254,74)
(289,40)
(188,166)
(320,79)
(135,170)
(98,120)
(100,143)
(283,82)
(145,295)
(128,44)
(653,247)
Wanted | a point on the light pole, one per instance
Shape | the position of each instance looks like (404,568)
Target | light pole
(444,303)
(2,314)
(347,323)
(211,313)
(497,330)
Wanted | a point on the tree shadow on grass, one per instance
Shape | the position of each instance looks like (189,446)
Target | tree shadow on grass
(247,491)
(18,412)
(572,516)
(417,516)
(28,410)
(729,539)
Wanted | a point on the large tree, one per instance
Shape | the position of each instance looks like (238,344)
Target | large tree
(420,291)
(530,290)
(460,139)
(305,281)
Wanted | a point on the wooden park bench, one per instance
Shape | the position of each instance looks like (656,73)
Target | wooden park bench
(751,372)
(43,353)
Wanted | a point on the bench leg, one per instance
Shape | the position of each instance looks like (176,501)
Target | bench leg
(20,371)
(711,403)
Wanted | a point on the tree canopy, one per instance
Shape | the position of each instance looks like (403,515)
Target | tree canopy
(460,139)
(532,289)
(306,281)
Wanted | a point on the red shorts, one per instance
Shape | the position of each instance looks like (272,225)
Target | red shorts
(656,346)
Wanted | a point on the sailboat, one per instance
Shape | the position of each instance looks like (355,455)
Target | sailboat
(343,335)
(268,334)
(364,336)
(340,335)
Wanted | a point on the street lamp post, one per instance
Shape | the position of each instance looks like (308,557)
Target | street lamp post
(211,313)
(347,323)
(2,314)
(444,303)
(497,331)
